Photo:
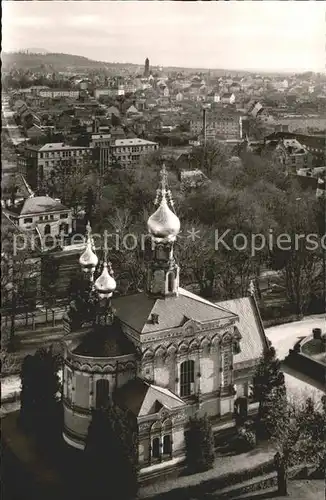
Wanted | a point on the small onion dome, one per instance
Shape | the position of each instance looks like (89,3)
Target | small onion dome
(105,283)
(164,224)
(88,259)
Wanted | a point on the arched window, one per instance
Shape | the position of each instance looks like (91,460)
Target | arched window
(187,378)
(47,229)
(156,447)
(167,442)
(102,393)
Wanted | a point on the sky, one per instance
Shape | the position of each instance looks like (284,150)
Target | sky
(265,35)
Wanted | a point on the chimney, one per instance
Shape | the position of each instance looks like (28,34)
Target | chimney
(316,333)
(204,124)
(154,318)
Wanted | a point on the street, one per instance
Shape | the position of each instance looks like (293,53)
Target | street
(283,337)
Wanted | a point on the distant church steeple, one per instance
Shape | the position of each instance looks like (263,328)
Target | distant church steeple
(163,226)
(146,70)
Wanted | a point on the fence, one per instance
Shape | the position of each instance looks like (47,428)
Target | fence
(32,320)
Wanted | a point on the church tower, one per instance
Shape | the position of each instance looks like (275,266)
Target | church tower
(146,70)
(163,226)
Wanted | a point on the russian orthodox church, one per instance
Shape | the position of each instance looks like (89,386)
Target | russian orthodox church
(165,354)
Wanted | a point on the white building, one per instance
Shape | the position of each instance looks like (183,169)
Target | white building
(41,215)
(54,93)
(128,151)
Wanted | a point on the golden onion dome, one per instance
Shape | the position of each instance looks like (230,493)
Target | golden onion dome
(164,224)
(105,283)
(88,259)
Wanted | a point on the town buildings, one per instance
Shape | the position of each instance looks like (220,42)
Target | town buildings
(164,353)
(293,155)
(315,144)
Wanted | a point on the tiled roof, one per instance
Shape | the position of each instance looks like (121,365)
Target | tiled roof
(253,340)
(136,310)
(41,204)
(140,397)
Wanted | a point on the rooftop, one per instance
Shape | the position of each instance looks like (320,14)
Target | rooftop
(142,398)
(59,146)
(37,205)
(136,311)
(105,341)
(252,332)
(133,142)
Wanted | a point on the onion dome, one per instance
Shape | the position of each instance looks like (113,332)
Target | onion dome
(105,283)
(164,224)
(88,260)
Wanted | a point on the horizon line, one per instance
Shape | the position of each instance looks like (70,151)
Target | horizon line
(198,68)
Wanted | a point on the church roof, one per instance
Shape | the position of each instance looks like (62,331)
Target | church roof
(105,341)
(143,398)
(136,311)
(253,340)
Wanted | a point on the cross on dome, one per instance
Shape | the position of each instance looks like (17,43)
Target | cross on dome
(163,192)
(251,288)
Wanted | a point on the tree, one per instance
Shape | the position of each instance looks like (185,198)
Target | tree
(40,384)
(197,257)
(19,263)
(200,453)
(70,182)
(208,158)
(300,439)
(270,391)
(111,455)
(301,264)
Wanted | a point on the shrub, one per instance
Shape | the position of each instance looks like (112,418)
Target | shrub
(246,437)
(200,445)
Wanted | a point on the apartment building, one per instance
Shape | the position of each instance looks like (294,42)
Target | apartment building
(129,151)
(225,126)
(37,161)
(53,93)
(103,93)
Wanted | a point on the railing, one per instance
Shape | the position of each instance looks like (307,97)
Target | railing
(30,320)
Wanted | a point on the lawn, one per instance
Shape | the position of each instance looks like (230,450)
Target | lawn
(186,486)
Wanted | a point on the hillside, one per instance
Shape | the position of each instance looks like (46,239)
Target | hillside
(51,62)
(48,61)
